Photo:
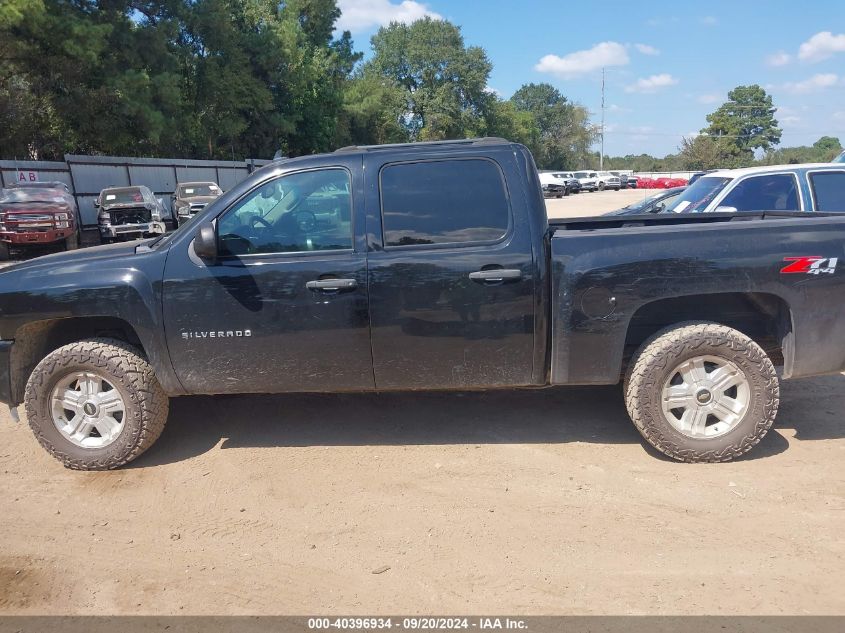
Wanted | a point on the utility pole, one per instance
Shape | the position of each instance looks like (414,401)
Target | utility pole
(601,154)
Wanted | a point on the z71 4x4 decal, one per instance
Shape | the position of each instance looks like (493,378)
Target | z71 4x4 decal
(809,265)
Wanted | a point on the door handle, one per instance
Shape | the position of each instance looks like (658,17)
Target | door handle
(496,275)
(331,285)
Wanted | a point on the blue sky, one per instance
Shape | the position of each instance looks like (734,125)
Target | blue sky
(668,63)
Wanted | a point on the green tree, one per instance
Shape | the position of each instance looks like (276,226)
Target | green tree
(746,122)
(702,153)
(441,79)
(564,131)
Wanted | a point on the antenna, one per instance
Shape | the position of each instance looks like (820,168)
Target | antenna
(601,154)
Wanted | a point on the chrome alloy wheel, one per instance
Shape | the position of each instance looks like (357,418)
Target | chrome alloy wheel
(87,409)
(705,397)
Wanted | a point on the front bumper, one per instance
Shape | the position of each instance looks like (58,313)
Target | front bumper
(6,373)
(121,230)
(36,237)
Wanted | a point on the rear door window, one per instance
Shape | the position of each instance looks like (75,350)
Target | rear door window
(829,190)
(444,202)
(770,192)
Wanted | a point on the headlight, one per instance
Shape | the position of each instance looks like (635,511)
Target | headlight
(184,211)
(62,225)
(61,216)
(156,216)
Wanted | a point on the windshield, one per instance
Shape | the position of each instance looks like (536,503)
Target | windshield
(199,189)
(122,196)
(580,174)
(696,197)
(32,195)
(840,158)
(642,204)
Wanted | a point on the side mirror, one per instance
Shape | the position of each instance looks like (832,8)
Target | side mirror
(205,242)
(659,208)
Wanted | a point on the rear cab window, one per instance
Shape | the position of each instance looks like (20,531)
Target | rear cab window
(443,202)
(828,190)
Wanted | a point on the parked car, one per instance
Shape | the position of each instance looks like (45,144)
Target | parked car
(553,187)
(191,198)
(424,282)
(633,182)
(802,187)
(588,180)
(606,180)
(572,182)
(128,213)
(698,175)
(623,177)
(33,216)
(658,203)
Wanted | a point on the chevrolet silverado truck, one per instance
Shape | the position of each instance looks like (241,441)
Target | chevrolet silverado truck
(380,268)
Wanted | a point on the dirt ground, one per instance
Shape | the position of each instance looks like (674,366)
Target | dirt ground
(521,502)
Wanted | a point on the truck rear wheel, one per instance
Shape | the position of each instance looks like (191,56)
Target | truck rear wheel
(702,392)
(95,404)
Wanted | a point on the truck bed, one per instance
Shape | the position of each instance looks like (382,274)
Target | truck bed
(616,281)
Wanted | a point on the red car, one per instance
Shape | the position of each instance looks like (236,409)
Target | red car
(37,216)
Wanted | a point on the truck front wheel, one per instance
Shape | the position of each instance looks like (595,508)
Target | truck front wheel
(5,252)
(95,404)
(702,392)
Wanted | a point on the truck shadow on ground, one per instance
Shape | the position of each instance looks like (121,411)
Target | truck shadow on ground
(549,416)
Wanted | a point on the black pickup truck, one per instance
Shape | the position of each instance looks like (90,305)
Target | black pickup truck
(424,267)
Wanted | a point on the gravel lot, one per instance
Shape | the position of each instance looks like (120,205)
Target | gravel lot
(596,203)
(521,502)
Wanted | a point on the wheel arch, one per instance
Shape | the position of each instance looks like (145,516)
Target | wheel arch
(765,318)
(37,339)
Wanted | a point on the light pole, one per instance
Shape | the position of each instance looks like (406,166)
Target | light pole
(601,153)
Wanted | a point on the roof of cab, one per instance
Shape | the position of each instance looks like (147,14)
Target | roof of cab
(768,169)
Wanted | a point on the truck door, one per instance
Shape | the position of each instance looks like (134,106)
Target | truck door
(284,308)
(451,273)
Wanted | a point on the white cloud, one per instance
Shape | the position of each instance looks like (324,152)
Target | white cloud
(583,62)
(359,15)
(778,59)
(813,84)
(709,20)
(652,84)
(821,46)
(711,98)
(645,49)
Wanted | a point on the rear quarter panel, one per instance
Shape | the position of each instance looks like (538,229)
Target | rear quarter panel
(632,266)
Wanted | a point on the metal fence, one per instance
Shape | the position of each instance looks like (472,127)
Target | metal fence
(86,176)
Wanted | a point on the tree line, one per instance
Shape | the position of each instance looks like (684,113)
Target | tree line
(232,79)
(235,79)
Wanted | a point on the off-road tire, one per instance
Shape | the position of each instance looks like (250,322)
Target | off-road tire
(72,242)
(601,186)
(5,252)
(659,355)
(124,366)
